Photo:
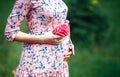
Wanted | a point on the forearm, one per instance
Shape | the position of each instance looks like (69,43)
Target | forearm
(24,37)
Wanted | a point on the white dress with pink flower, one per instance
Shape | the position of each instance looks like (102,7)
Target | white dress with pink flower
(39,60)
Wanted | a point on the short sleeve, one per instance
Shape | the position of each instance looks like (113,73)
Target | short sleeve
(16,17)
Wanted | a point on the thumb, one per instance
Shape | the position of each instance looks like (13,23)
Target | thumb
(58,37)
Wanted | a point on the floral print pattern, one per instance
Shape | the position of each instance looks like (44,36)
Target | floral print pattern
(39,60)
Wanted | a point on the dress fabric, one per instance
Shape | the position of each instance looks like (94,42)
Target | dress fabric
(39,60)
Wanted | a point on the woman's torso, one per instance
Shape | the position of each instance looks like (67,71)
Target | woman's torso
(41,18)
(44,14)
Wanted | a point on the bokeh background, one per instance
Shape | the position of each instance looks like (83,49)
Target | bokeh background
(95,31)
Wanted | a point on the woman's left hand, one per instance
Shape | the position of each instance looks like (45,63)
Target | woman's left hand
(66,56)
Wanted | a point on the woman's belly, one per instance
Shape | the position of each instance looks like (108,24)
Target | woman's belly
(37,54)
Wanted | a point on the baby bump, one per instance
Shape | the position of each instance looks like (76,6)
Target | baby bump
(46,50)
(41,56)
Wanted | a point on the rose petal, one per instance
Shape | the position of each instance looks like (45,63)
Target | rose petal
(62,30)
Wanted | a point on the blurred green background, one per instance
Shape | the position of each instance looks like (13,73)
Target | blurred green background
(95,32)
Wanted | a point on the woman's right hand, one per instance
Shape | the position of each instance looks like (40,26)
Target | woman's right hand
(52,39)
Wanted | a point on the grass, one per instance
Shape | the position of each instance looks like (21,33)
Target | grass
(93,64)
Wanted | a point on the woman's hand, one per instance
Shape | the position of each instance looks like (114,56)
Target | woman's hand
(70,52)
(50,38)
(66,56)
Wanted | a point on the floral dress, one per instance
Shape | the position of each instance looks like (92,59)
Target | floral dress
(39,60)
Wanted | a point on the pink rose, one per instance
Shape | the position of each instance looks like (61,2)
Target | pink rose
(62,30)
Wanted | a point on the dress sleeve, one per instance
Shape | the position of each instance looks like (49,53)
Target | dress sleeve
(15,19)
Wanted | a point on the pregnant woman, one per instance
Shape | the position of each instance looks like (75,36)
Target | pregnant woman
(47,45)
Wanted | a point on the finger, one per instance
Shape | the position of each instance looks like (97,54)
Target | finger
(58,41)
(66,57)
(55,43)
(69,53)
(57,37)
